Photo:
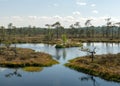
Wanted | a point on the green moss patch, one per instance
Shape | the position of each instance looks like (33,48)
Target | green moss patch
(33,69)
(72,44)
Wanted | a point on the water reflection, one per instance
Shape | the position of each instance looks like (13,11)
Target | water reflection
(61,53)
(104,48)
(64,53)
(57,54)
(91,78)
(108,48)
(14,73)
(2,69)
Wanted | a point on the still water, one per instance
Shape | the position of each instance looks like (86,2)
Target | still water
(58,75)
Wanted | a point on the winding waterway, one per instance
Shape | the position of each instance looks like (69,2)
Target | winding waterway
(58,75)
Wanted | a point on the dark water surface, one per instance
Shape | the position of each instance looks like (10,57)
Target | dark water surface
(57,75)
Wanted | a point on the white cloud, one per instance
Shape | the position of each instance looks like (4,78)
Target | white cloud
(76,13)
(40,21)
(93,5)
(81,3)
(44,17)
(16,17)
(33,17)
(69,18)
(95,11)
(57,17)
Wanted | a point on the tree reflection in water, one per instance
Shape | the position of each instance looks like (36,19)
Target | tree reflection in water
(89,77)
(64,53)
(14,73)
(60,53)
(57,54)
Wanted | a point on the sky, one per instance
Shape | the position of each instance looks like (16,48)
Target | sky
(40,12)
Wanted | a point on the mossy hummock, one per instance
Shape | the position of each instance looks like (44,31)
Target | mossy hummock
(104,66)
(25,57)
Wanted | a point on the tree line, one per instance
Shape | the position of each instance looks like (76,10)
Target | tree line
(56,30)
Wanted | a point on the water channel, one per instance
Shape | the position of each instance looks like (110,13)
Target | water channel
(58,75)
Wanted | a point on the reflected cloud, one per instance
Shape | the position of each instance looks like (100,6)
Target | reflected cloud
(2,69)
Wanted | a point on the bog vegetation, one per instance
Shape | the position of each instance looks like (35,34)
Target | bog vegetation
(24,57)
(105,66)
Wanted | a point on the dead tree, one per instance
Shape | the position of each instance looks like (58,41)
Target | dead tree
(92,52)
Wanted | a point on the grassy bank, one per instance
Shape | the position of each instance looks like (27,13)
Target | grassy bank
(106,40)
(104,66)
(38,39)
(25,57)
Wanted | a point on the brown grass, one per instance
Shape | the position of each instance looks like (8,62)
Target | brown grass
(25,57)
(105,66)
(41,39)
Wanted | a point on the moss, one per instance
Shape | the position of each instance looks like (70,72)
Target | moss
(33,69)
(104,66)
(25,57)
(72,44)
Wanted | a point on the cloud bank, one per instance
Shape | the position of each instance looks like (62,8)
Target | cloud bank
(40,21)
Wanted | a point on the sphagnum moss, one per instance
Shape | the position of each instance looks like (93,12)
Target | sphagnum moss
(25,57)
(104,66)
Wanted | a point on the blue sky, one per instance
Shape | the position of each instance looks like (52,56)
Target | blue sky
(40,12)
